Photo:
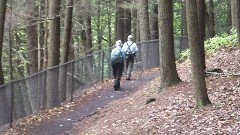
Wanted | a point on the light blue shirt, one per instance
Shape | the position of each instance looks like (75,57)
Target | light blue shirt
(116,49)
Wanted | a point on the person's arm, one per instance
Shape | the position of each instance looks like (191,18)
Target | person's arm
(123,54)
(135,48)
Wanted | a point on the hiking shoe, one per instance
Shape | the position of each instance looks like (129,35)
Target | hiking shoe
(116,88)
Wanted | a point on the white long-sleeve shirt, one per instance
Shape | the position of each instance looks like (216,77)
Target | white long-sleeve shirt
(133,47)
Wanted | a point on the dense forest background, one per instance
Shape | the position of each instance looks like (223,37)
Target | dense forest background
(44,33)
(41,34)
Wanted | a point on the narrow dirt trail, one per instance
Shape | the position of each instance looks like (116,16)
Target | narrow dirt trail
(60,125)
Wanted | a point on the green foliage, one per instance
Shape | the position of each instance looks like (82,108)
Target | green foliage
(177,18)
(185,55)
(221,16)
(212,44)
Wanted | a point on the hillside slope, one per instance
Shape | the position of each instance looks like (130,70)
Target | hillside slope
(173,111)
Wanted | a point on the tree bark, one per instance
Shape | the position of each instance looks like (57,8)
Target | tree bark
(135,24)
(201,24)
(53,53)
(233,12)
(3,96)
(119,21)
(211,19)
(67,34)
(32,35)
(88,22)
(168,72)
(229,20)
(2,22)
(183,19)
(196,65)
(238,21)
(154,21)
(127,22)
(144,21)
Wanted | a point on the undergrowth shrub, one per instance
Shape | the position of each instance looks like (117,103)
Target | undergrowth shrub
(212,44)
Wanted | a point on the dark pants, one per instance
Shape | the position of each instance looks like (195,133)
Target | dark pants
(117,73)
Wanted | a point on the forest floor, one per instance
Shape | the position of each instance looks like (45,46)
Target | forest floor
(126,112)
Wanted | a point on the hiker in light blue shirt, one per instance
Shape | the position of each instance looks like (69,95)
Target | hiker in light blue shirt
(117,61)
(130,48)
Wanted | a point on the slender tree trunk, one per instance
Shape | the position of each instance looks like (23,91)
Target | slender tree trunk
(211,19)
(3,97)
(144,20)
(238,21)
(53,53)
(144,30)
(168,70)
(135,23)
(2,22)
(154,21)
(88,22)
(196,65)
(201,22)
(119,21)
(109,35)
(233,12)
(99,31)
(127,22)
(54,33)
(41,33)
(45,45)
(32,35)
(67,34)
(229,20)
(183,19)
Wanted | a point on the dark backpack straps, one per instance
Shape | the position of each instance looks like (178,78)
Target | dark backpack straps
(129,47)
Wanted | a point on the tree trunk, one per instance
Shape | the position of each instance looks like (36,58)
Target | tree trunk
(183,39)
(67,34)
(53,53)
(144,30)
(135,23)
(41,34)
(46,29)
(154,21)
(3,96)
(229,21)
(144,21)
(211,19)
(168,70)
(127,22)
(88,22)
(119,21)
(183,19)
(201,22)
(233,13)
(32,35)
(196,65)
(2,22)
(238,21)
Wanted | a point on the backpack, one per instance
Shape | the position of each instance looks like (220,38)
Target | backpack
(117,57)
(129,53)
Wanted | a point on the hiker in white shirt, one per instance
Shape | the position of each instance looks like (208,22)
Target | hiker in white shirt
(130,48)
